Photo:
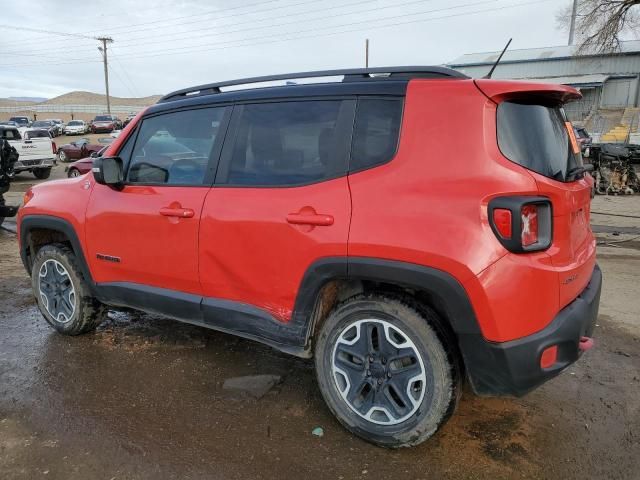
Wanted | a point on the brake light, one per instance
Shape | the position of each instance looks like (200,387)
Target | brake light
(54,148)
(502,221)
(529,228)
(522,223)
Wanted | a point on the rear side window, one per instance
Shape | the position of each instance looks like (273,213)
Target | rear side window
(10,134)
(537,137)
(287,143)
(174,148)
(376,133)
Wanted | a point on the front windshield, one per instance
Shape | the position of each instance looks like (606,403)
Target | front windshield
(41,124)
(74,122)
(102,118)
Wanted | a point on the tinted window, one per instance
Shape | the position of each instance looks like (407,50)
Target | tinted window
(41,124)
(74,123)
(9,134)
(36,134)
(102,118)
(287,143)
(377,128)
(175,148)
(536,137)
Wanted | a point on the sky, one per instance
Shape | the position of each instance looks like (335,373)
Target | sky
(47,48)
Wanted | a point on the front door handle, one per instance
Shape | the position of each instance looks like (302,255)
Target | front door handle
(308,216)
(177,212)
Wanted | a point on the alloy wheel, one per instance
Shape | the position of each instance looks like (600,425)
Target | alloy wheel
(378,371)
(56,290)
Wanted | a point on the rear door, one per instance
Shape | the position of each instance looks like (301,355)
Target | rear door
(280,202)
(536,134)
(147,233)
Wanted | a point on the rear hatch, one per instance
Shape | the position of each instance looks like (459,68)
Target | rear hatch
(533,131)
(35,145)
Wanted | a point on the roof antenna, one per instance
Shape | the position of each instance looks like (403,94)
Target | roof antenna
(488,75)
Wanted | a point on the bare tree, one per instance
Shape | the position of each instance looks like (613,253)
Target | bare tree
(601,23)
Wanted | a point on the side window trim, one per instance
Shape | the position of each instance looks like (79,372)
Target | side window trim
(344,128)
(214,154)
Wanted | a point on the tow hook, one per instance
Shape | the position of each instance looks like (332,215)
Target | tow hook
(586,343)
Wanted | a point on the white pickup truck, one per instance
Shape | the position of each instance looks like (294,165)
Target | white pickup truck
(36,149)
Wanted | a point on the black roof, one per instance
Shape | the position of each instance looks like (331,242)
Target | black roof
(371,81)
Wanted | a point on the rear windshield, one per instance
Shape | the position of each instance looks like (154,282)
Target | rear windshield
(536,137)
(74,123)
(36,134)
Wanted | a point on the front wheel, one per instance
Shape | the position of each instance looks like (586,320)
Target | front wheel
(62,293)
(74,172)
(62,156)
(42,173)
(384,372)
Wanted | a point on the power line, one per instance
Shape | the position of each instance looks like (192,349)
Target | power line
(127,28)
(49,32)
(230,42)
(218,46)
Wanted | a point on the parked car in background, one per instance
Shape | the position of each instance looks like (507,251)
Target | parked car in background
(76,150)
(76,127)
(21,121)
(47,125)
(128,119)
(82,166)
(35,148)
(583,137)
(105,124)
(9,123)
(58,123)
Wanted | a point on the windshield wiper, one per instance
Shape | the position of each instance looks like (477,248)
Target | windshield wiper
(574,172)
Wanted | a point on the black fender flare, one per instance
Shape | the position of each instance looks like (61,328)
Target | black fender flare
(57,224)
(446,293)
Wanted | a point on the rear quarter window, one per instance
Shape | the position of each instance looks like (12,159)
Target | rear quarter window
(376,132)
(536,137)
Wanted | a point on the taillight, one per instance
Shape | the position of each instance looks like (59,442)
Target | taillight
(522,224)
(54,147)
(28,195)
(529,233)
(502,221)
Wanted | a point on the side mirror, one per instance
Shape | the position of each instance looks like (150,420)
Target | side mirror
(109,171)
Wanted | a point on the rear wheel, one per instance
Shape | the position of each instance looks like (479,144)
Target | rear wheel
(63,296)
(384,372)
(62,156)
(42,173)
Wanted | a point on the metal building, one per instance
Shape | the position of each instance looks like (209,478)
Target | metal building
(606,81)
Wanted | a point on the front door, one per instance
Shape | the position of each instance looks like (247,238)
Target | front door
(147,233)
(280,202)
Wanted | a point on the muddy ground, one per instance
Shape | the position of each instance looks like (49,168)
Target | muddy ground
(142,398)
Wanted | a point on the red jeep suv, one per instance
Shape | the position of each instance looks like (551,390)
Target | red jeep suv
(347,221)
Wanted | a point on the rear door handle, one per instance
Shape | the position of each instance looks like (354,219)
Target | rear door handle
(315,219)
(177,212)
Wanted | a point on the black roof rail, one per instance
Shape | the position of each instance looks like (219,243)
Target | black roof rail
(350,75)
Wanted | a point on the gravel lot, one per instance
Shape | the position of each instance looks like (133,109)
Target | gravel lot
(142,398)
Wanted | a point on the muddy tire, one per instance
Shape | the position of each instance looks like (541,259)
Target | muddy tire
(63,296)
(384,372)
(42,173)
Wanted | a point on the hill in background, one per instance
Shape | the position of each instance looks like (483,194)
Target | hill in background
(79,98)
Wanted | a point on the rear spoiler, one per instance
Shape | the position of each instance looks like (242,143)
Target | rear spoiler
(500,90)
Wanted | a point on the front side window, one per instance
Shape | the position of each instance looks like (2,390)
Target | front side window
(376,132)
(287,143)
(175,148)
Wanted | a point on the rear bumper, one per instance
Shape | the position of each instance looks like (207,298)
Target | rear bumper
(513,368)
(22,165)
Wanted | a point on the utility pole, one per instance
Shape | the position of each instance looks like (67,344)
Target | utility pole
(366,53)
(103,50)
(572,27)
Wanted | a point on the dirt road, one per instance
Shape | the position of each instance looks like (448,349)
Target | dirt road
(142,398)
